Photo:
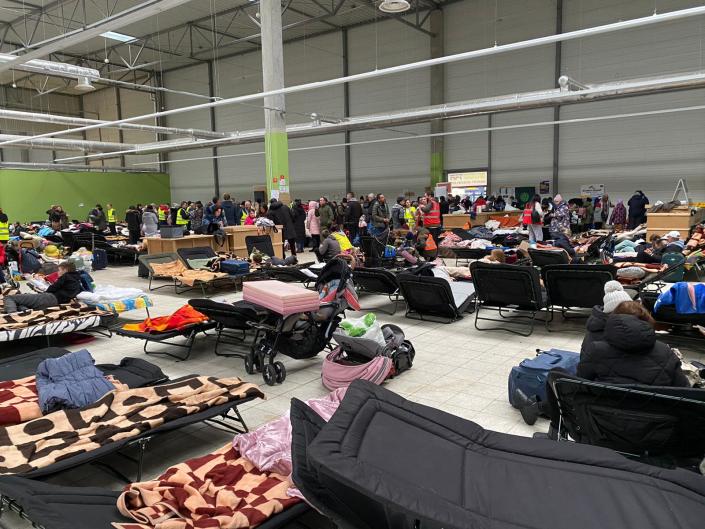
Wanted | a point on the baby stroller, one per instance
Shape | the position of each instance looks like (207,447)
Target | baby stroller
(302,335)
(5,272)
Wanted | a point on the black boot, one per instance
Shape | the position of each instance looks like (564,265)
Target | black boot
(528,407)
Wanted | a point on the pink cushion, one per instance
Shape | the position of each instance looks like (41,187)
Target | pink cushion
(282,298)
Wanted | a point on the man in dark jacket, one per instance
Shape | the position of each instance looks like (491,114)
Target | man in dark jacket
(281,215)
(299,215)
(65,289)
(637,209)
(231,210)
(352,216)
(380,214)
(398,214)
(630,353)
(133,217)
(326,213)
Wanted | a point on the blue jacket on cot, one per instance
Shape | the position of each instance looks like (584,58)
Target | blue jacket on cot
(70,381)
(688,298)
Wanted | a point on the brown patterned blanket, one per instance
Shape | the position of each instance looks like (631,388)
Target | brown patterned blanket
(178,270)
(19,400)
(117,416)
(218,490)
(29,318)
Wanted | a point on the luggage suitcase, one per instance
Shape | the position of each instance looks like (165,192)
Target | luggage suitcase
(100,259)
(531,374)
(234,267)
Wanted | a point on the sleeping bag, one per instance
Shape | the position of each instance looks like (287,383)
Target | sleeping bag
(70,381)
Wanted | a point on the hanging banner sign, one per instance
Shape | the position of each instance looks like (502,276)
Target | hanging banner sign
(471,179)
(592,190)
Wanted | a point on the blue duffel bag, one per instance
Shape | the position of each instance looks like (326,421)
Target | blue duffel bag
(531,374)
(235,267)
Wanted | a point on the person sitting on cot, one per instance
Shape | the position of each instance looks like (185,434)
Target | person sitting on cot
(64,290)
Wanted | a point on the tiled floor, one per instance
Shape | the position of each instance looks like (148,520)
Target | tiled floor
(458,369)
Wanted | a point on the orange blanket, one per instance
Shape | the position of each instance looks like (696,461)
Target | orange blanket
(180,319)
(218,490)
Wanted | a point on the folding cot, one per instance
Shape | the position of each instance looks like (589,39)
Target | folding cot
(513,288)
(449,472)
(378,281)
(542,258)
(189,332)
(663,425)
(288,274)
(135,373)
(49,506)
(179,286)
(435,297)
(575,286)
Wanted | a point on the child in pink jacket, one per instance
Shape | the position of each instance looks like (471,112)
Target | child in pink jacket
(313,223)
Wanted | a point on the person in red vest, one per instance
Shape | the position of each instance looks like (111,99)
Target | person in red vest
(432,215)
(533,219)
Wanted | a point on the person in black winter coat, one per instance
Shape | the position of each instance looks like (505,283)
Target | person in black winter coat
(63,290)
(299,214)
(281,215)
(637,209)
(353,212)
(614,296)
(630,353)
(133,217)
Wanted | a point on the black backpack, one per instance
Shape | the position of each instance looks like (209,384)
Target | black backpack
(403,357)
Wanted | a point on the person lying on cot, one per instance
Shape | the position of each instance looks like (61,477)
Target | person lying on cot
(65,289)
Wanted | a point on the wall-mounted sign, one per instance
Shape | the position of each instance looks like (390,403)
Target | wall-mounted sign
(468,179)
(592,190)
(545,187)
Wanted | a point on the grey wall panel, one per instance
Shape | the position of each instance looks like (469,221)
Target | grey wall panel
(466,151)
(522,157)
(648,153)
(189,180)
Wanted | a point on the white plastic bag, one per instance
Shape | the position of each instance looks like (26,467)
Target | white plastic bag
(366,327)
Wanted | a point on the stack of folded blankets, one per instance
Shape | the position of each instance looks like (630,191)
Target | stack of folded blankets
(282,298)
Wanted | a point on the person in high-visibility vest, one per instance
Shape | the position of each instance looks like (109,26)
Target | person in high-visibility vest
(4,227)
(432,215)
(182,216)
(163,214)
(425,243)
(112,221)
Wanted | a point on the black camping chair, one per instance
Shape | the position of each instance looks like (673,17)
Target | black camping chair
(233,323)
(576,286)
(543,258)
(429,296)
(262,242)
(287,274)
(513,288)
(467,255)
(658,424)
(378,281)
(201,252)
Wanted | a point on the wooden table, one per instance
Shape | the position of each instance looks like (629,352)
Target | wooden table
(456,221)
(678,219)
(159,245)
(236,240)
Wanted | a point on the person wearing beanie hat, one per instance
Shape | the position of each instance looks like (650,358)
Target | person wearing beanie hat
(614,295)
(398,214)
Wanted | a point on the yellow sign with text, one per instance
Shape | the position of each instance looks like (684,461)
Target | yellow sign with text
(472,179)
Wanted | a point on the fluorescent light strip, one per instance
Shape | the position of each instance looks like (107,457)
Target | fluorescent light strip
(421,136)
(120,37)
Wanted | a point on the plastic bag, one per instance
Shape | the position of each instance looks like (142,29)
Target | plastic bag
(365,327)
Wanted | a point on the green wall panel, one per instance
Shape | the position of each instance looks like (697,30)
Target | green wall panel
(27,195)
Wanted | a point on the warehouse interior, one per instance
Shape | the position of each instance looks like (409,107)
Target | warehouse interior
(228,121)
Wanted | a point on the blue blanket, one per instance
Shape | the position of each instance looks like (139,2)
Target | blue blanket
(688,298)
(70,381)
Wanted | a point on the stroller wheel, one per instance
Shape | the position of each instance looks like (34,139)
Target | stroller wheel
(249,367)
(269,374)
(281,372)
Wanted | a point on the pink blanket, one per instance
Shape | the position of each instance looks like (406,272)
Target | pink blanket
(282,298)
(269,446)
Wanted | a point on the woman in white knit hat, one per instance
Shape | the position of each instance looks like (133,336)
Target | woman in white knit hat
(595,327)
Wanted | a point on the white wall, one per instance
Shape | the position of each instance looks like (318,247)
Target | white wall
(648,153)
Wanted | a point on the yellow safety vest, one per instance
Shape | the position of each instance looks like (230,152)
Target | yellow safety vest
(4,231)
(161,214)
(111,215)
(343,241)
(243,217)
(179,220)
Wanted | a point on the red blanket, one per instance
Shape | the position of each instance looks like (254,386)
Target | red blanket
(180,319)
(219,490)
